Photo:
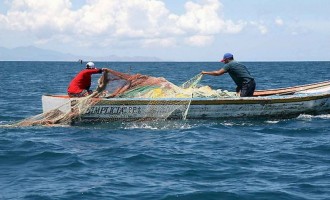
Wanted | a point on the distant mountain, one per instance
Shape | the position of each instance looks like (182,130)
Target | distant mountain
(125,58)
(31,53)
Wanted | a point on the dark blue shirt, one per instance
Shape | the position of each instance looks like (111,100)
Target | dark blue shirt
(238,72)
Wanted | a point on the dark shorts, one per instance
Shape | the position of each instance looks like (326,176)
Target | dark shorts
(248,88)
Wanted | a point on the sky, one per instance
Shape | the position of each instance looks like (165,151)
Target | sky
(172,30)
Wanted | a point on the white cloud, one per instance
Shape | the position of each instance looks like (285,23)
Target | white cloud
(232,27)
(199,40)
(34,15)
(279,21)
(166,42)
(261,27)
(3,21)
(202,19)
(101,22)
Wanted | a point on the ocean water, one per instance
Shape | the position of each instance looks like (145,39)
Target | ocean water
(175,159)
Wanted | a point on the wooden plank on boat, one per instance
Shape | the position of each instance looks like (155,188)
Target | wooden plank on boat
(291,90)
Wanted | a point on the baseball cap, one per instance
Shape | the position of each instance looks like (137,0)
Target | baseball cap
(226,56)
(90,65)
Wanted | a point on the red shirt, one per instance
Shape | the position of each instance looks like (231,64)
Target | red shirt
(82,81)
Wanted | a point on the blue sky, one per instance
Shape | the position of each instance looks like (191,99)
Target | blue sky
(175,30)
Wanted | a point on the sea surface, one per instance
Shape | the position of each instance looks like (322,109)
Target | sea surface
(175,159)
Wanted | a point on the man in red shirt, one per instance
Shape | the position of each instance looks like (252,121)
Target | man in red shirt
(79,86)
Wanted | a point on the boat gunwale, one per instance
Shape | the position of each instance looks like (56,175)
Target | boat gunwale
(208,101)
(291,90)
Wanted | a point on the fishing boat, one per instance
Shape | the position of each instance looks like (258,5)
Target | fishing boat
(275,103)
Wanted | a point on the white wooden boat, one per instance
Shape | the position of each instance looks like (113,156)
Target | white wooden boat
(280,103)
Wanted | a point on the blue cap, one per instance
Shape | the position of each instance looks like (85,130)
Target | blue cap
(227,56)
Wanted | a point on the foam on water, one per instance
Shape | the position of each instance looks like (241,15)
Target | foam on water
(272,121)
(305,116)
(159,125)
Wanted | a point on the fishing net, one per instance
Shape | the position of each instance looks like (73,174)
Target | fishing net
(114,84)
(156,90)
(120,85)
(61,115)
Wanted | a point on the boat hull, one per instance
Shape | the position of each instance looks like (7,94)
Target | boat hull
(197,108)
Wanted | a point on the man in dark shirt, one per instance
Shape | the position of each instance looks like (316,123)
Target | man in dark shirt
(239,73)
(80,85)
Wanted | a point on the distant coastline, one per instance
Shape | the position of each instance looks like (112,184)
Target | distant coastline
(35,54)
(31,53)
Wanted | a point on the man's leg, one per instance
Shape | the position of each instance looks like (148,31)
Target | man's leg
(248,89)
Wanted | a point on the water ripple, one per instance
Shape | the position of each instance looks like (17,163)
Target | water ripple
(175,159)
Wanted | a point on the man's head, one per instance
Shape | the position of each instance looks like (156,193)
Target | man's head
(90,65)
(227,57)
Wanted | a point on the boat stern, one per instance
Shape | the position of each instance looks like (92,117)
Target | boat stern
(51,102)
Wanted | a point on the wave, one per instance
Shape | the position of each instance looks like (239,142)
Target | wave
(159,125)
(305,116)
(272,121)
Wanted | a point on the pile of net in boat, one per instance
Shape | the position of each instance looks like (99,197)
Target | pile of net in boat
(121,85)
(114,84)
